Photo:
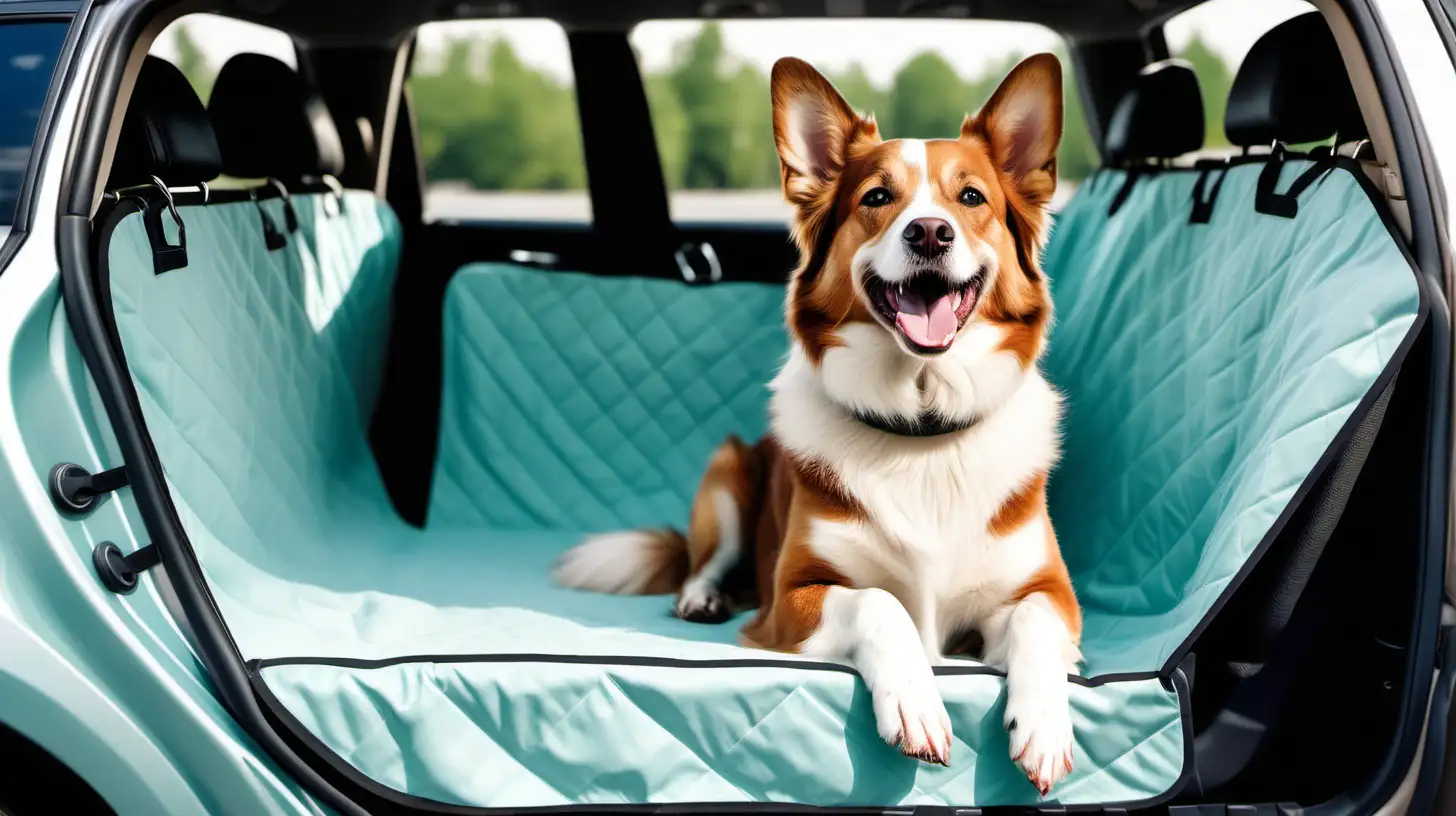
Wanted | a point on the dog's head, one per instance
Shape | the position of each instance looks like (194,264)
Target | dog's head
(922,239)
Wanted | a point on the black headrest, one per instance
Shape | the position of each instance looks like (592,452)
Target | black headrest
(1160,117)
(270,124)
(1293,88)
(166,132)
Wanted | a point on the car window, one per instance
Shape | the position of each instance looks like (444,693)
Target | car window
(1215,37)
(28,53)
(707,86)
(499,134)
(200,44)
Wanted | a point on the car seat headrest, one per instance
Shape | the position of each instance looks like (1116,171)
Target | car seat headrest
(1292,87)
(1160,117)
(270,124)
(166,132)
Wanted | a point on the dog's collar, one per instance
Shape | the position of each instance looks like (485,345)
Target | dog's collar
(929,423)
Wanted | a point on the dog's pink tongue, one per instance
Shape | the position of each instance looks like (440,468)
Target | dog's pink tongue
(931,327)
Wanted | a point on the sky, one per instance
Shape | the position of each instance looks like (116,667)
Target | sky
(881,46)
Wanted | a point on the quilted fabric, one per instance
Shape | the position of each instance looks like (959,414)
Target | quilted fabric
(1207,367)
(493,734)
(590,404)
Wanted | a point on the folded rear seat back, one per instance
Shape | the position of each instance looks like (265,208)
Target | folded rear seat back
(1208,371)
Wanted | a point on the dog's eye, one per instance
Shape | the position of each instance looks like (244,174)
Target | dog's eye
(971,197)
(877,197)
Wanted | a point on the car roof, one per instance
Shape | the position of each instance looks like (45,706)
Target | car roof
(363,22)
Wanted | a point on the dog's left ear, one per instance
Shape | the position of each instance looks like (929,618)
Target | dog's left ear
(1022,125)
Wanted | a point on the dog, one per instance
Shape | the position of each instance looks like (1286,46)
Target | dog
(898,504)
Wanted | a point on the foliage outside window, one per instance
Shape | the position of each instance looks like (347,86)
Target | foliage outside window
(711,112)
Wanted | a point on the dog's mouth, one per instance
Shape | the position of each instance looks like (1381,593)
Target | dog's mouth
(926,309)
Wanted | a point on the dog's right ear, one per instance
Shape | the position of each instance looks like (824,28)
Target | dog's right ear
(814,129)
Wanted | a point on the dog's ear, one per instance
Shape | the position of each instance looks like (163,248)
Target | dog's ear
(1022,125)
(814,129)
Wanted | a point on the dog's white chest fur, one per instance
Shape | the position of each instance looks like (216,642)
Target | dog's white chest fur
(930,501)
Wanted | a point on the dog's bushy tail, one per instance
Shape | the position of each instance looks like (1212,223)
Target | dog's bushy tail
(637,562)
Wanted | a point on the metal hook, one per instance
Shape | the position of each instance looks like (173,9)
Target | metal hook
(171,203)
(337,188)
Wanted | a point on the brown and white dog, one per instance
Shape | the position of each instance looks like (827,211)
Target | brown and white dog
(899,503)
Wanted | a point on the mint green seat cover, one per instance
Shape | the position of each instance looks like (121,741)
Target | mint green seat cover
(441,664)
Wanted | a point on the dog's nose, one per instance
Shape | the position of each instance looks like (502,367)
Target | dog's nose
(929,237)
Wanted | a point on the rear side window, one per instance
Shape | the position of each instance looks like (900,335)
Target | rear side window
(1214,38)
(707,86)
(28,53)
(499,135)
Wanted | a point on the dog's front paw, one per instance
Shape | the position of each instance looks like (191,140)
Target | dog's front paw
(911,716)
(1039,723)
(702,603)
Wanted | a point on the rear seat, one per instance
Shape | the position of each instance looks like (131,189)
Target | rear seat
(439,665)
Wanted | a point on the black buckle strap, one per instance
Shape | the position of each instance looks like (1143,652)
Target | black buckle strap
(1203,203)
(290,218)
(1286,204)
(119,573)
(165,256)
(75,490)
(272,238)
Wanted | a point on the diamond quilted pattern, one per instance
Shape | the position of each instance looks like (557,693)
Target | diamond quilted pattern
(781,735)
(589,404)
(1206,370)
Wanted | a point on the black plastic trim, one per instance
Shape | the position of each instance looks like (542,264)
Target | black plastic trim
(92,332)
(1431,254)
(384,799)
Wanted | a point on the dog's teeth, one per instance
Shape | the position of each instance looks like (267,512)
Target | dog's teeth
(955,300)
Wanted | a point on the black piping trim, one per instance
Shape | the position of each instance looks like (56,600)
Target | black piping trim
(363,664)
(389,800)
(1342,438)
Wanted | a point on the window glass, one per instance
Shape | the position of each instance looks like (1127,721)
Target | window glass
(707,85)
(28,53)
(200,44)
(499,134)
(1215,37)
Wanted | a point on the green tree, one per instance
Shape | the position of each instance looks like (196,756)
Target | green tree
(1214,80)
(1078,155)
(927,99)
(859,90)
(193,63)
(511,127)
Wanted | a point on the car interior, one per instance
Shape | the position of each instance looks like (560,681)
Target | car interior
(373,433)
